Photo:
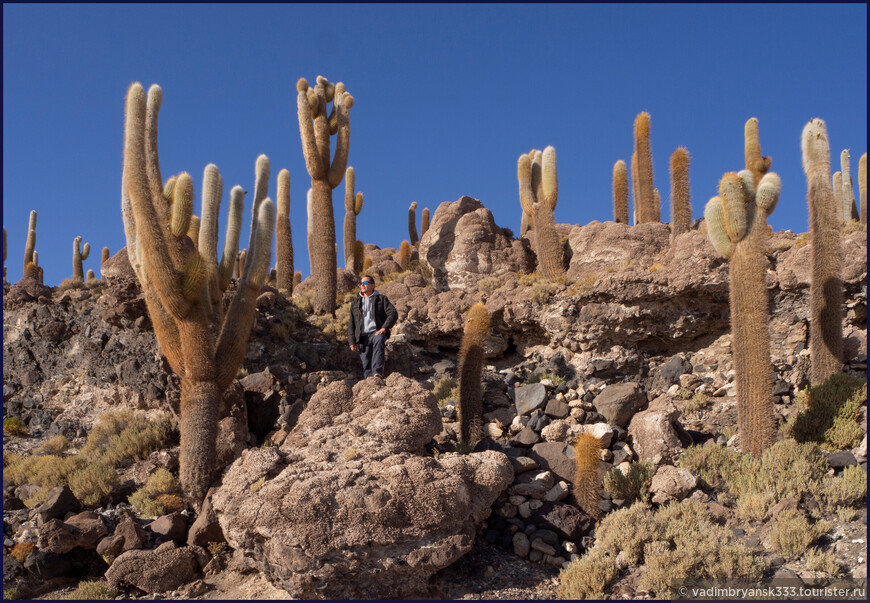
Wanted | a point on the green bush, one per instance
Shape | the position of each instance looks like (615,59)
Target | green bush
(445,389)
(829,413)
(159,495)
(14,426)
(632,486)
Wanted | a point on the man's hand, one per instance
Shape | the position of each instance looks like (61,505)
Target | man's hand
(380,331)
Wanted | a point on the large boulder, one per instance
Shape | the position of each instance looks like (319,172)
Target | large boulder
(464,243)
(348,507)
(157,570)
(600,247)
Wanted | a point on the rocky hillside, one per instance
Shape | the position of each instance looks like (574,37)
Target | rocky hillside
(337,487)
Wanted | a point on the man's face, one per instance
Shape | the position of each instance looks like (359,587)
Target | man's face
(366,286)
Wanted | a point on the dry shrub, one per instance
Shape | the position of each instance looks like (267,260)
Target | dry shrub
(488,284)
(93,481)
(21,550)
(55,445)
(632,486)
(792,533)
(628,530)
(587,577)
(822,561)
(159,495)
(829,413)
(446,388)
(846,490)
(96,590)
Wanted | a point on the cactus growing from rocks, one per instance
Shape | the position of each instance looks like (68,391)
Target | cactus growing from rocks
(539,193)
(862,188)
(315,129)
(91,276)
(202,346)
(79,254)
(284,235)
(104,256)
(850,212)
(755,163)
(404,256)
(352,205)
(359,256)
(826,286)
(470,410)
(31,266)
(412,223)
(645,199)
(424,221)
(587,478)
(367,264)
(635,191)
(620,192)
(681,206)
(736,221)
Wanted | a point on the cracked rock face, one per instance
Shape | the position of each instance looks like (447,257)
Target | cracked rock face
(348,507)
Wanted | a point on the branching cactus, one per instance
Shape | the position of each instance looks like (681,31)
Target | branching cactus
(31,265)
(736,222)
(755,163)
(850,212)
(404,255)
(470,410)
(316,128)
(424,221)
(620,192)
(79,254)
(587,478)
(681,206)
(412,223)
(284,235)
(539,193)
(862,187)
(202,346)
(352,206)
(645,200)
(826,286)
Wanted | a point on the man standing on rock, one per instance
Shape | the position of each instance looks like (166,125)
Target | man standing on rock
(371,317)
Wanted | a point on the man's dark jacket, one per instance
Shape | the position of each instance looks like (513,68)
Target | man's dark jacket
(385,316)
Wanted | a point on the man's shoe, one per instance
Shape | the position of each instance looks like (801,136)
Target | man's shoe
(379,376)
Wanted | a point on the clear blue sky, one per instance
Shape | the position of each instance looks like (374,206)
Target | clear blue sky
(447,98)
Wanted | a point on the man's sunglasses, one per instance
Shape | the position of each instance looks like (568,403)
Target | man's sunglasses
(366,283)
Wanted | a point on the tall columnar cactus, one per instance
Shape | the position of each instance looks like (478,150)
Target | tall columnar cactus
(657,201)
(352,205)
(539,193)
(681,206)
(367,264)
(645,200)
(404,256)
(31,266)
(470,409)
(736,222)
(826,286)
(837,187)
(412,223)
(862,187)
(284,235)
(204,346)
(620,192)
(850,212)
(755,163)
(635,190)
(359,255)
(316,127)
(424,221)
(104,257)
(79,254)
(587,477)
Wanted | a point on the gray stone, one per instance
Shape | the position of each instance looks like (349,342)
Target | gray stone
(528,398)
(157,570)
(522,464)
(618,402)
(671,483)
(534,485)
(557,457)
(521,544)
(526,437)
(58,503)
(670,372)
(557,409)
(539,545)
(170,527)
(844,458)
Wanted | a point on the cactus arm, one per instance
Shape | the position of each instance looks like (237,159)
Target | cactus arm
(549,179)
(837,187)
(349,217)
(212,191)
(152,165)
(231,238)
(681,207)
(524,177)
(471,351)
(261,189)
(349,184)
(734,207)
(424,221)
(283,234)
(321,126)
(236,330)
(714,216)
(412,223)
(755,163)
(767,195)
(537,158)
(30,244)
(315,167)
(847,193)
(342,103)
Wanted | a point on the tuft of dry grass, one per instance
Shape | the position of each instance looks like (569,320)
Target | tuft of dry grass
(587,577)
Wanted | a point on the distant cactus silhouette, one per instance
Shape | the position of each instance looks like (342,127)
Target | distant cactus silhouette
(645,200)
(862,187)
(202,345)
(403,258)
(424,221)
(850,212)
(316,127)
(755,163)
(539,193)
(352,206)
(681,206)
(470,411)
(412,223)
(826,286)
(620,192)
(736,221)
(587,478)
(79,254)
(284,236)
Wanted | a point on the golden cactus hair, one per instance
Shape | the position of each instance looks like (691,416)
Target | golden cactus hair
(471,354)
(367,264)
(645,200)
(283,236)
(755,163)
(587,477)
(620,192)
(359,256)
(404,255)
(681,206)
(850,212)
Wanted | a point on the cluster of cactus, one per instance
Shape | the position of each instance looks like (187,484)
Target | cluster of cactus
(539,193)
(681,206)
(315,128)
(284,273)
(844,196)
(353,205)
(736,222)
(79,254)
(470,410)
(826,286)
(587,477)
(183,282)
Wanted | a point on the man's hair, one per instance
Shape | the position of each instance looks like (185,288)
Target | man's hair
(368,277)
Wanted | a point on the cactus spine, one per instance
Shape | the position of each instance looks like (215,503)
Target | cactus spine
(79,254)
(755,163)
(204,347)
(470,409)
(736,222)
(681,206)
(31,266)
(284,236)
(826,286)
(352,206)
(412,223)
(587,478)
(404,257)
(539,193)
(315,128)
(862,187)
(645,189)
(620,192)
(424,221)
(850,212)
